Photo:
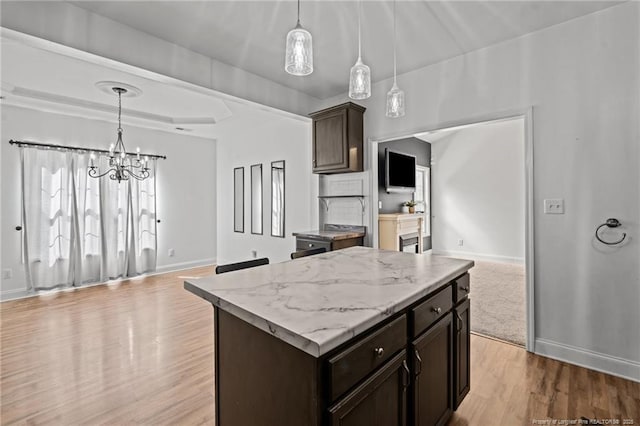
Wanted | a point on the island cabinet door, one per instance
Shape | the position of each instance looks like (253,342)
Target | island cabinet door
(462,345)
(432,360)
(380,400)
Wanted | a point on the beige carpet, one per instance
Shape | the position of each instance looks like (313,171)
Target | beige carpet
(498,301)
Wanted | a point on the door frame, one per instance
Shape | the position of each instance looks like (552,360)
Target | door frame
(527,115)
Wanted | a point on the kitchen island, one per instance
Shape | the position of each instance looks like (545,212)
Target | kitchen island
(354,336)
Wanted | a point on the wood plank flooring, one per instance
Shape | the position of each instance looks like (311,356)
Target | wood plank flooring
(141,352)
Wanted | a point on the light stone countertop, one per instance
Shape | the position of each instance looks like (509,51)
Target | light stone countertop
(329,235)
(316,303)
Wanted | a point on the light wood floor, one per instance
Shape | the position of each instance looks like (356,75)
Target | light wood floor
(141,353)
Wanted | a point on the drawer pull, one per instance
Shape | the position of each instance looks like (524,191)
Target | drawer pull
(465,289)
(437,310)
(379,352)
(310,245)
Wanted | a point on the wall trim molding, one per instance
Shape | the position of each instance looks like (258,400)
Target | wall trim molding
(480,257)
(620,367)
(526,113)
(15,294)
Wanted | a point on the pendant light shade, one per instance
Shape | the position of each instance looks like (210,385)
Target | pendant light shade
(395,102)
(360,81)
(299,52)
(360,76)
(395,96)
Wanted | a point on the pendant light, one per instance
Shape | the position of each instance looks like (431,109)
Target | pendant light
(360,76)
(299,52)
(395,96)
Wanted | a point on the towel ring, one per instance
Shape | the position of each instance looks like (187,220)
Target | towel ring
(611,223)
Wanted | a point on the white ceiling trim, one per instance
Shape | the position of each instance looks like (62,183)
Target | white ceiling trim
(34,99)
(60,49)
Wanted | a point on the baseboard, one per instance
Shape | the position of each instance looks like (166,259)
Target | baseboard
(615,366)
(15,294)
(480,257)
(183,265)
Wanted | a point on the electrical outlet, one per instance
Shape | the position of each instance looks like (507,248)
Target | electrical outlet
(554,206)
(460,242)
(172,252)
(7,274)
(254,253)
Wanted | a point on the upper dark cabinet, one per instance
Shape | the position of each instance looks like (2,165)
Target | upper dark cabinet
(338,139)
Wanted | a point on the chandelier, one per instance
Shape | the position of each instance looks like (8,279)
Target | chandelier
(122,165)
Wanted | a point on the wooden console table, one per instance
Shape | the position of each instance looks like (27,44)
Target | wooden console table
(393,225)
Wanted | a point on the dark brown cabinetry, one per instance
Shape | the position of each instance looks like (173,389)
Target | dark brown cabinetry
(410,370)
(462,340)
(381,400)
(338,139)
(433,370)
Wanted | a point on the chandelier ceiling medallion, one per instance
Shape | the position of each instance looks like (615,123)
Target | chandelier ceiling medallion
(360,76)
(395,96)
(299,50)
(122,164)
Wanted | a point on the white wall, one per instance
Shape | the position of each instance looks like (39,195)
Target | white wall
(582,80)
(268,138)
(67,24)
(186,182)
(478,193)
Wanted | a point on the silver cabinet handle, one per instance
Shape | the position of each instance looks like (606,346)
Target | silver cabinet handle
(406,374)
(465,289)
(419,364)
(437,310)
(379,352)
(310,245)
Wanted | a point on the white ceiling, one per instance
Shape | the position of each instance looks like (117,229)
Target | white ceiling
(250,34)
(64,82)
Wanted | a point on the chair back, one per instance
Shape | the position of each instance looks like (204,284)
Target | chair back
(221,269)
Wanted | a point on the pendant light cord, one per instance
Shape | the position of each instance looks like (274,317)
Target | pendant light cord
(359,11)
(119,111)
(298,12)
(394,42)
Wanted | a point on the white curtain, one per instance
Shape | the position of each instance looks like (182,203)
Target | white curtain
(79,229)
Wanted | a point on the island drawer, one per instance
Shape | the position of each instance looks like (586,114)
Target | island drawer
(308,243)
(431,310)
(356,362)
(461,288)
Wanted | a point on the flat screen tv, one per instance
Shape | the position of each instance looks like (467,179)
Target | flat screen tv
(400,171)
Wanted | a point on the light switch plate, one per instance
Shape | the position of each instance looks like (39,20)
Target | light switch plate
(554,206)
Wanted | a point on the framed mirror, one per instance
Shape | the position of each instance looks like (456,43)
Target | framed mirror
(256,199)
(238,199)
(277,198)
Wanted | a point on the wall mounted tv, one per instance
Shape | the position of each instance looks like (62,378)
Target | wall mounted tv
(400,171)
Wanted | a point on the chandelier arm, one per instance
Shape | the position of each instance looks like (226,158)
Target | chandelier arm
(143,175)
(95,173)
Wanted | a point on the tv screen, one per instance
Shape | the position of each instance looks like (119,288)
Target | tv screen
(400,173)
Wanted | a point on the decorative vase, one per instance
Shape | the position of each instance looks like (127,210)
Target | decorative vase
(405,209)
(412,209)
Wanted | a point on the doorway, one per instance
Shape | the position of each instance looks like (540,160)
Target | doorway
(503,272)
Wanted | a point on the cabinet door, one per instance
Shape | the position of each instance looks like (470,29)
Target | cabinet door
(462,340)
(330,143)
(432,367)
(381,400)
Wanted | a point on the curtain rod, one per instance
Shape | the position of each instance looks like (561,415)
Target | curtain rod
(76,148)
